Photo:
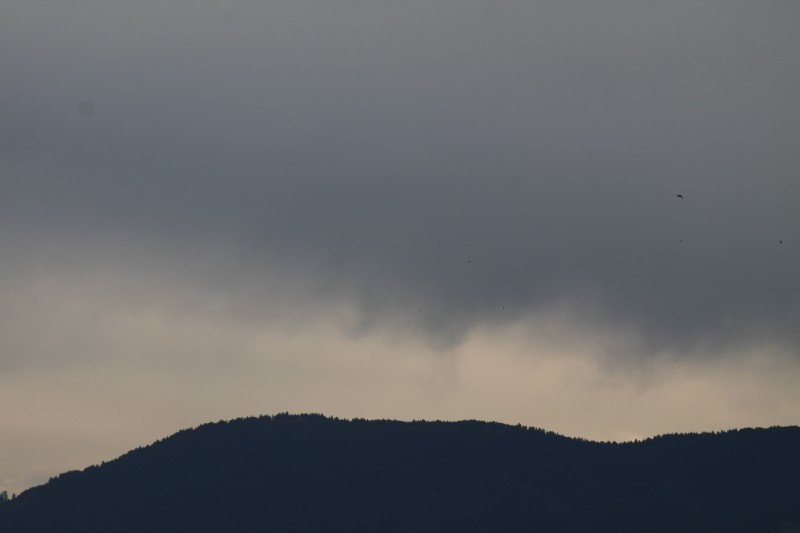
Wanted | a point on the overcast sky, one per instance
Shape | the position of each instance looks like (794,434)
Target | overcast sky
(419,209)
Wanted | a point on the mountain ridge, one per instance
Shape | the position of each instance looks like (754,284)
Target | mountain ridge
(309,472)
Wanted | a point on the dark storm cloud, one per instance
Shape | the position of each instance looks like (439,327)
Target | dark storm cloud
(476,161)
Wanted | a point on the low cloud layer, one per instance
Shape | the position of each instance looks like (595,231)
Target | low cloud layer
(246,196)
(111,363)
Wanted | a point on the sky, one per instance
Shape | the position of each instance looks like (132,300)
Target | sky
(438,209)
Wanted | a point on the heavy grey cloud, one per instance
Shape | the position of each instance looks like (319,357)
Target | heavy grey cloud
(439,165)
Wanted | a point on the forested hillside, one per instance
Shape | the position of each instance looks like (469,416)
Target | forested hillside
(309,473)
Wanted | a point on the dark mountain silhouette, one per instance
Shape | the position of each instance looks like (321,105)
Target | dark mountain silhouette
(308,473)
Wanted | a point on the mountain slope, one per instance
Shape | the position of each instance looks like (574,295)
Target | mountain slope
(311,473)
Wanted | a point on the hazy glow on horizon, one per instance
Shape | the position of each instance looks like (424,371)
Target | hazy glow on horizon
(416,210)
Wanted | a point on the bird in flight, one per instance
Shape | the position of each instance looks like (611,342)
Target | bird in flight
(679,196)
